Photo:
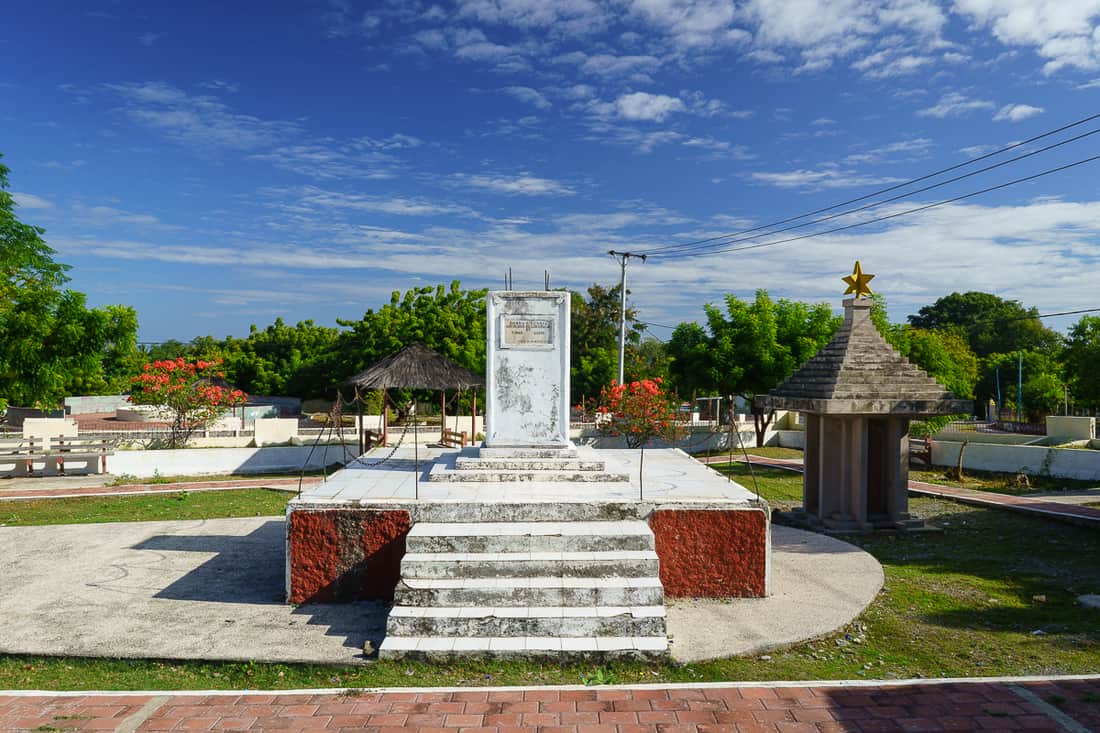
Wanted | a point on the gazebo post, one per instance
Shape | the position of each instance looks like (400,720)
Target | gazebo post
(443,414)
(385,419)
(473,415)
(362,432)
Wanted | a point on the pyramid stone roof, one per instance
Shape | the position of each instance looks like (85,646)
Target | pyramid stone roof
(859,373)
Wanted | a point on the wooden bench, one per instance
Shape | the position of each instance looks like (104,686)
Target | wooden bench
(920,451)
(92,451)
(23,452)
(453,438)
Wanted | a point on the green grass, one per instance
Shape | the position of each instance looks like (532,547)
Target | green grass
(768,451)
(779,487)
(1001,483)
(967,602)
(155,507)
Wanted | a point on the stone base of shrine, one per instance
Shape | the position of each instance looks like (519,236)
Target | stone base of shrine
(346,537)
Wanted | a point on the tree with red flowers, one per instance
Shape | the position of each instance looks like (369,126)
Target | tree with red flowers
(639,412)
(194,393)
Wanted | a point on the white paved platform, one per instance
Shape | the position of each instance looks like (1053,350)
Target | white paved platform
(670,476)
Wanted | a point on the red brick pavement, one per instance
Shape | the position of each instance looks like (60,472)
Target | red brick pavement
(1073,513)
(1057,704)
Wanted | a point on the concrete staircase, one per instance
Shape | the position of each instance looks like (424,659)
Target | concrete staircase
(528,584)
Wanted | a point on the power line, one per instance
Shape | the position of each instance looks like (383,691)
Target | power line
(879,192)
(907,194)
(896,214)
(1035,316)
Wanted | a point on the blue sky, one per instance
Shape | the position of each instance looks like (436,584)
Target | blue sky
(221,164)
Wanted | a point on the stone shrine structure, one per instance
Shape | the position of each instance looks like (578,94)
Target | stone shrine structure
(528,545)
(858,395)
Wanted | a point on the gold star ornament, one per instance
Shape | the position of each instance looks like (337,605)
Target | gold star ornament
(857,282)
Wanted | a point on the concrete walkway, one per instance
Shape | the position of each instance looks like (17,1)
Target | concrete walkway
(214,589)
(1052,506)
(1067,705)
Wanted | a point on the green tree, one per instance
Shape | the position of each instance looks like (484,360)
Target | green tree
(1043,386)
(450,321)
(946,357)
(53,344)
(990,324)
(1082,361)
(648,359)
(755,346)
(595,339)
(281,359)
(689,350)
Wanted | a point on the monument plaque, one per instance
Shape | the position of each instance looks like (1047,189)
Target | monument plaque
(523,332)
(527,369)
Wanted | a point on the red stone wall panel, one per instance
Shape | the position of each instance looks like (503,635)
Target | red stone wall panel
(344,555)
(712,553)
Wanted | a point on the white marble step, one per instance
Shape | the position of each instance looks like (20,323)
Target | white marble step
(534,511)
(446,648)
(440,473)
(528,536)
(610,563)
(499,621)
(469,463)
(529,592)
(528,452)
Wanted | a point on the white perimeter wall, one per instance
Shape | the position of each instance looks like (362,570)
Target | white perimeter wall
(211,461)
(1059,462)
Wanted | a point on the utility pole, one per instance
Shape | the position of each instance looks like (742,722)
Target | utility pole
(1019,386)
(623,257)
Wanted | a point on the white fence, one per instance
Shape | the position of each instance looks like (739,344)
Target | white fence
(1074,463)
(215,461)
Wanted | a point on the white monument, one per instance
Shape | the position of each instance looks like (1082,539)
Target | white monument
(527,369)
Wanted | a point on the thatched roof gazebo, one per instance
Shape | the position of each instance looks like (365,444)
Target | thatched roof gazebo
(418,367)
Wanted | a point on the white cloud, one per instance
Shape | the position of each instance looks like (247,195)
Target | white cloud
(718,148)
(886,64)
(528,95)
(30,201)
(649,107)
(1062,31)
(148,39)
(311,197)
(202,121)
(571,16)
(824,30)
(220,86)
(110,216)
(325,158)
(954,104)
(523,184)
(1017,112)
(693,23)
(902,149)
(827,177)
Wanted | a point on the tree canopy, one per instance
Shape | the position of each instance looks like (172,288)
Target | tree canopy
(595,340)
(990,324)
(53,344)
(749,347)
(1082,361)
